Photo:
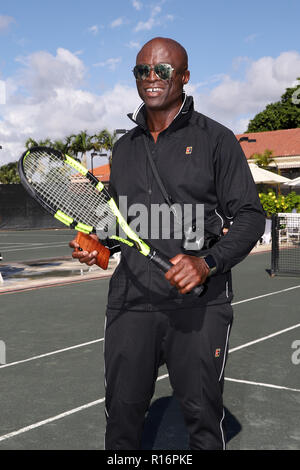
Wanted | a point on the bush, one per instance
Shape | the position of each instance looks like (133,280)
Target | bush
(273,204)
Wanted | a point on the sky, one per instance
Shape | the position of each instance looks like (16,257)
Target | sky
(66,65)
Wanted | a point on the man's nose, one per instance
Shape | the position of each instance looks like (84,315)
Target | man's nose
(152,75)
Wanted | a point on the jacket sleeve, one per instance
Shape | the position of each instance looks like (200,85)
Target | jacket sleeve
(238,198)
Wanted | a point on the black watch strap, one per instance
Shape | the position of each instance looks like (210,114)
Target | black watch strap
(211,263)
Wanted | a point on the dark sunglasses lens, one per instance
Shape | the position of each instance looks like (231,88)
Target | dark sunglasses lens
(141,71)
(163,71)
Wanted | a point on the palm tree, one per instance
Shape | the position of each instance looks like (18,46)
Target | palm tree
(263,160)
(81,143)
(105,140)
(31,143)
(63,146)
(38,143)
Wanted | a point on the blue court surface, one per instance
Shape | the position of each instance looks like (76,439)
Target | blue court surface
(52,371)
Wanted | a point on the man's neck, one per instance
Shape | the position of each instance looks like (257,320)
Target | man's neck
(159,120)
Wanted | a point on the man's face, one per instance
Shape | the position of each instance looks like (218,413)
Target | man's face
(156,93)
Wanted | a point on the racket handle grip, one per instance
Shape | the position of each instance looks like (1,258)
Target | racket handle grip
(164,264)
(87,243)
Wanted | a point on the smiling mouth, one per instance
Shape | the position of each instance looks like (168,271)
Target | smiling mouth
(153,90)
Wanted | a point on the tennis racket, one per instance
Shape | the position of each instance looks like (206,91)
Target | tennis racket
(74,196)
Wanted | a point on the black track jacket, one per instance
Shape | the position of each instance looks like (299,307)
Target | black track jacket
(199,161)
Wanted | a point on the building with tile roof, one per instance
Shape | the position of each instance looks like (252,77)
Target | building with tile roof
(285,145)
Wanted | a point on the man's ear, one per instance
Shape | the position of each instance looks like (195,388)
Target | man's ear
(185,77)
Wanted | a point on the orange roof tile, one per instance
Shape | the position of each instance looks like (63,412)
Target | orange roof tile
(284,142)
(102,172)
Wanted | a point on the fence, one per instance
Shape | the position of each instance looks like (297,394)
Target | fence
(19,211)
(285,244)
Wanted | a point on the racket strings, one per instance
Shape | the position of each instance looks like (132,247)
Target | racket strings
(65,189)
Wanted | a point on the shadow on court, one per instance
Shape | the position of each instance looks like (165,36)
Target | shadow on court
(165,427)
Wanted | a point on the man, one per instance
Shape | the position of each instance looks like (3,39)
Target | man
(152,319)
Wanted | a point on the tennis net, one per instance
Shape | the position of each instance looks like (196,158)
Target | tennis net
(286,244)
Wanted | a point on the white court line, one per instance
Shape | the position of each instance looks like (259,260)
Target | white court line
(264,338)
(259,384)
(33,358)
(29,243)
(15,243)
(265,295)
(102,339)
(34,247)
(76,346)
(101,400)
(50,420)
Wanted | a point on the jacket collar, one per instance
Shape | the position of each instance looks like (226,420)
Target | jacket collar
(184,113)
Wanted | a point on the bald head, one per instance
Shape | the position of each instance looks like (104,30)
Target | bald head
(160,94)
(166,47)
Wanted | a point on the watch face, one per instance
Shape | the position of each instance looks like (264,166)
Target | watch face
(209,259)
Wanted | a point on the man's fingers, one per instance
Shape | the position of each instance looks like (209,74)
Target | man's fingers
(188,288)
(176,268)
(73,244)
(187,272)
(85,257)
(177,258)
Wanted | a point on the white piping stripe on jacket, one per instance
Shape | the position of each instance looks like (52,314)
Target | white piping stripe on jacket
(105,410)
(222,370)
(222,220)
(221,428)
(137,110)
(225,352)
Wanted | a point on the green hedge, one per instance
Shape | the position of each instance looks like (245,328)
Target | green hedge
(273,203)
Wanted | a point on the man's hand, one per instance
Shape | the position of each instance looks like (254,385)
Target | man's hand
(187,272)
(84,256)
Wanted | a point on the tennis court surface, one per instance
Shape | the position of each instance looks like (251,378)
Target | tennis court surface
(51,355)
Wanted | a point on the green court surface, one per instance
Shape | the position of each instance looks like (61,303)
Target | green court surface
(52,378)
(35,244)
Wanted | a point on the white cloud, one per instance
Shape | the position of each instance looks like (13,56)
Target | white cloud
(145,25)
(252,37)
(44,73)
(111,63)
(47,99)
(5,22)
(133,45)
(137,4)
(234,102)
(93,29)
(117,22)
(151,22)
(155,19)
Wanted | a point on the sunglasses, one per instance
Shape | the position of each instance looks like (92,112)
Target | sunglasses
(162,71)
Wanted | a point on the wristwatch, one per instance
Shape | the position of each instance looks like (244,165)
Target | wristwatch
(211,263)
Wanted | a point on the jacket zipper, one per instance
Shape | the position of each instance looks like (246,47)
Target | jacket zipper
(149,191)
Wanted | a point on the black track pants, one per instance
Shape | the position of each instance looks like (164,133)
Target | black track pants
(193,343)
